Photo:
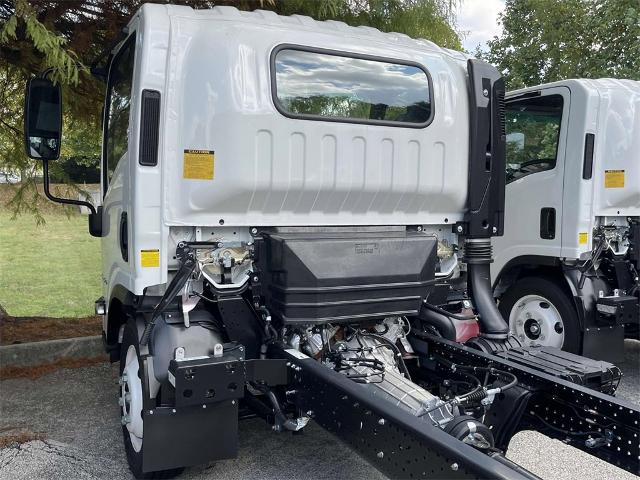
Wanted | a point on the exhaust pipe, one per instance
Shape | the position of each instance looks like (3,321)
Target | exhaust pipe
(478,255)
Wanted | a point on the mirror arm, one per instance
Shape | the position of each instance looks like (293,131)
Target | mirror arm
(68,201)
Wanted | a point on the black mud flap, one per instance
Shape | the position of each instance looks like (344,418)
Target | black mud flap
(201,425)
(182,437)
(391,439)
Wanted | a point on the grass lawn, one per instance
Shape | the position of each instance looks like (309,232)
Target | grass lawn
(51,270)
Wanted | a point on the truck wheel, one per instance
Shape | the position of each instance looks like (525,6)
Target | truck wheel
(540,313)
(131,404)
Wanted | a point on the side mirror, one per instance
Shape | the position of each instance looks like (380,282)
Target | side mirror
(42,119)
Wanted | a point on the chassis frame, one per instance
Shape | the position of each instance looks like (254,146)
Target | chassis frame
(401,447)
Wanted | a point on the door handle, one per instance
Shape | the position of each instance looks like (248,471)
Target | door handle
(548,223)
(123,233)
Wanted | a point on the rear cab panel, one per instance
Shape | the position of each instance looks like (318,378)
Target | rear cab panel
(326,173)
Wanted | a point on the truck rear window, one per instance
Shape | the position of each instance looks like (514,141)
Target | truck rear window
(321,85)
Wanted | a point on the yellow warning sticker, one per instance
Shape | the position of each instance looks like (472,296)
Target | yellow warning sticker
(198,164)
(150,258)
(583,238)
(614,179)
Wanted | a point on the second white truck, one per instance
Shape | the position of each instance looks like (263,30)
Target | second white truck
(566,269)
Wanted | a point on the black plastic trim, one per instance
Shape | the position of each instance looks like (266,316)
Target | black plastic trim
(548,223)
(340,53)
(487,147)
(149,128)
(123,234)
(587,165)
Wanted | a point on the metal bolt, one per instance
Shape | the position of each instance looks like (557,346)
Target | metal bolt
(494,230)
(204,406)
(125,419)
(485,92)
(380,454)
(174,410)
(254,231)
(233,402)
(459,229)
(309,413)
(419,228)
(255,279)
(381,421)
(179,353)
(150,412)
(455,467)
(121,401)
(122,379)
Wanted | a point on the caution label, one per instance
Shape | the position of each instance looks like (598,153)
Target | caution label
(198,164)
(583,238)
(150,258)
(614,179)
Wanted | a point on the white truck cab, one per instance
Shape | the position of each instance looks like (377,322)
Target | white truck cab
(566,269)
(284,205)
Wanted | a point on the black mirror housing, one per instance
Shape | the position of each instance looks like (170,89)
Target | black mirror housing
(42,119)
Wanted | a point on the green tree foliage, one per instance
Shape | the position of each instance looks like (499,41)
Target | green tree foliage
(549,40)
(67,36)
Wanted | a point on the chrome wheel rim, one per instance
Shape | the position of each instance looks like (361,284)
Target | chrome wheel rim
(534,320)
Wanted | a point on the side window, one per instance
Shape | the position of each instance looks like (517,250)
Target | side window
(118,106)
(533,131)
(334,86)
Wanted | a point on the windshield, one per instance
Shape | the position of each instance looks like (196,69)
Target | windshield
(533,130)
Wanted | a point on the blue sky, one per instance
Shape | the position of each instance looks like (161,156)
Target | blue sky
(478,20)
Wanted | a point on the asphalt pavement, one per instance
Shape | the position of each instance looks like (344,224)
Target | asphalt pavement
(76,413)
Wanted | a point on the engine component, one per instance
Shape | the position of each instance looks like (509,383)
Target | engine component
(228,265)
(198,340)
(478,256)
(329,277)
(471,432)
(374,359)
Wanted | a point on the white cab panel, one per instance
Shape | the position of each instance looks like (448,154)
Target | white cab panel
(273,170)
(618,149)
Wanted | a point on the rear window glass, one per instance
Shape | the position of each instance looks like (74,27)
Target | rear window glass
(328,86)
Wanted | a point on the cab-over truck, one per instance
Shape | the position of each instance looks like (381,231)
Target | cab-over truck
(566,269)
(279,226)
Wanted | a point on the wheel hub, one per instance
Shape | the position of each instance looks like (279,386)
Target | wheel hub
(536,321)
(131,398)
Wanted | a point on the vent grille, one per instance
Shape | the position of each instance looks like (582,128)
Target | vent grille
(149,128)
(501,112)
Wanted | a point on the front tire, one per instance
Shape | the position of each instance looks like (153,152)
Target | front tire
(539,312)
(131,405)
